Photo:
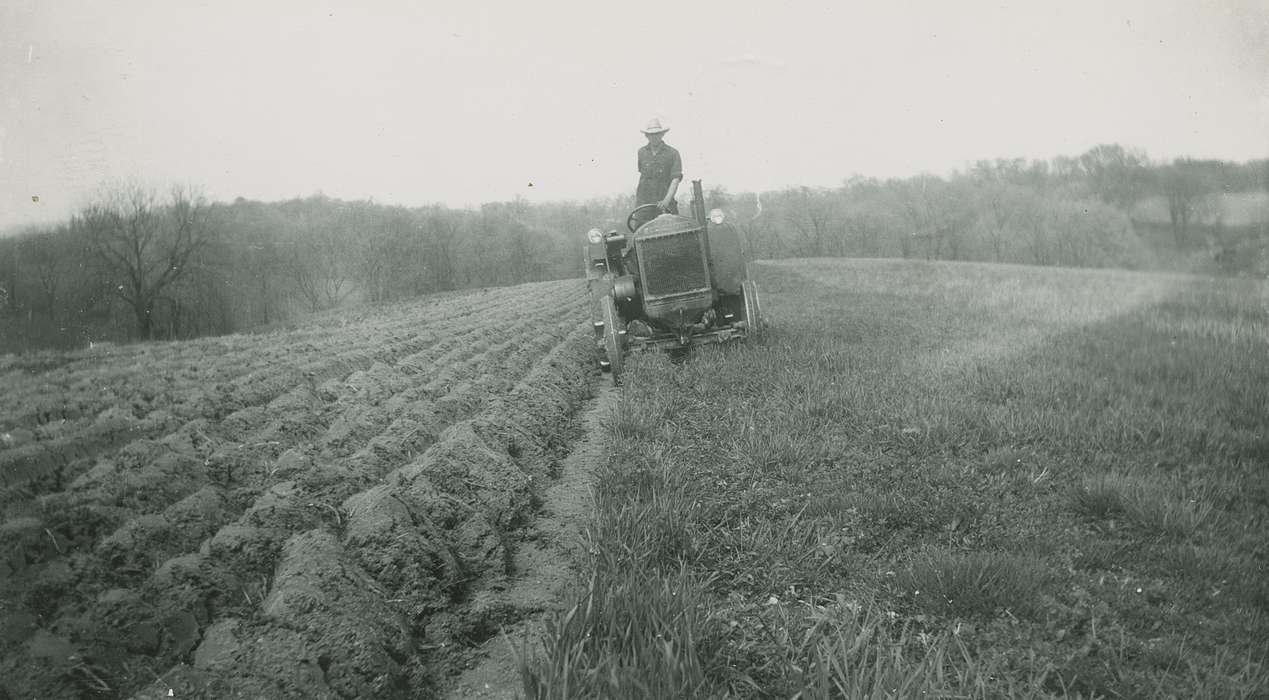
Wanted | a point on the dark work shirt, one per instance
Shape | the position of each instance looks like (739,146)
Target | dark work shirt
(656,172)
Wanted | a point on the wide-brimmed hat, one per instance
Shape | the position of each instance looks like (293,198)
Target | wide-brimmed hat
(654,127)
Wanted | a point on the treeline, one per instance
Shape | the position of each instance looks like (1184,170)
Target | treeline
(143,264)
(1108,207)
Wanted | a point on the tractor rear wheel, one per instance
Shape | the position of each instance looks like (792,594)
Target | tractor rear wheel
(614,337)
(753,309)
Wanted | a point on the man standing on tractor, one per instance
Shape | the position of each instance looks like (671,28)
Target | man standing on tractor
(660,171)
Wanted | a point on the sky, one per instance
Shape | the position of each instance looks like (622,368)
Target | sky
(444,102)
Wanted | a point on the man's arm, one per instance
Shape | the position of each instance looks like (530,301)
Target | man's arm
(670,192)
(676,176)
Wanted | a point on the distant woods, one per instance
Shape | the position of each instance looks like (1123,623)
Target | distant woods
(145,264)
(1109,207)
(140,263)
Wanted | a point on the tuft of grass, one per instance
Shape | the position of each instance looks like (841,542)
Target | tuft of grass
(1153,507)
(842,648)
(864,655)
(1124,666)
(1102,496)
(628,636)
(1169,515)
(631,422)
(972,584)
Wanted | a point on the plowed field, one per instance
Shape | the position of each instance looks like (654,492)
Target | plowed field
(305,513)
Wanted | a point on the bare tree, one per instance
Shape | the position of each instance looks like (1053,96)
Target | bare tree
(48,256)
(145,242)
(320,269)
(998,214)
(440,230)
(810,214)
(934,215)
(1115,175)
(9,265)
(1187,184)
(389,262)
(996,195)
(320,250)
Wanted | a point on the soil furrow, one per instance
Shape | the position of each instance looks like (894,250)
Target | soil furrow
(43,467)
(36,400)
(428,539)
(203,529)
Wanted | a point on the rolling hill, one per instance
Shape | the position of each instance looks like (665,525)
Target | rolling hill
(939,480)
(924,479)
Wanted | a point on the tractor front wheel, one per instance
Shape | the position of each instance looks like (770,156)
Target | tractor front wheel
(614,337)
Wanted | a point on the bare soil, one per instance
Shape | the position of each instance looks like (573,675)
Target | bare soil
(542,567)
(331,511)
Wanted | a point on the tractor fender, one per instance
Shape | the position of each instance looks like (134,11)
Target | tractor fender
(726,257)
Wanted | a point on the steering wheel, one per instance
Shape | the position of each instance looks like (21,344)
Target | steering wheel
(630,219)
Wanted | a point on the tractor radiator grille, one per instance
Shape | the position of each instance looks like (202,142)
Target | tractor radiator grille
(672,264)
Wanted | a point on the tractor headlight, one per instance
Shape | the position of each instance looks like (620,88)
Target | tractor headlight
(716,216)
(595,236)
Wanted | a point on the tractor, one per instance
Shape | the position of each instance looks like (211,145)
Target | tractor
(670,283)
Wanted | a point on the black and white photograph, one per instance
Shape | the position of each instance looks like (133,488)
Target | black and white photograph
(663,350)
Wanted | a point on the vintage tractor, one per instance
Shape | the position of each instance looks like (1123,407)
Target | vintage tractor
(670,283)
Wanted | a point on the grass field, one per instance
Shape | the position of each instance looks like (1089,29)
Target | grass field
(938,480)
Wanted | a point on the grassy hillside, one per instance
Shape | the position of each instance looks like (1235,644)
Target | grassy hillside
(939,480)
(1229,237)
